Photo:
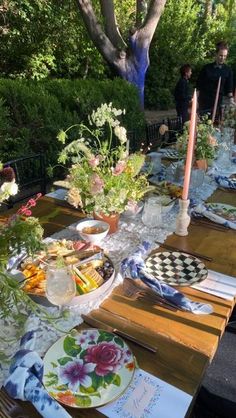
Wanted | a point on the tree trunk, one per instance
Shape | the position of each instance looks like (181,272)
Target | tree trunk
(130,62)
(134,65)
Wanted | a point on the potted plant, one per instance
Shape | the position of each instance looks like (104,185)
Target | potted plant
(104,179)
(229,118)
(205,144)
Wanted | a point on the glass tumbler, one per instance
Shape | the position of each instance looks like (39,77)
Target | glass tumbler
(151,216)
(60,285)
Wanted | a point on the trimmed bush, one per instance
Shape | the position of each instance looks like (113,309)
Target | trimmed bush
(32,113)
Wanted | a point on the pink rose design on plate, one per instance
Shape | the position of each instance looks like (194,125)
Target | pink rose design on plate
(107,356)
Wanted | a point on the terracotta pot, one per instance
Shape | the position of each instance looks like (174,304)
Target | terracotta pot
(112,220)
(201,164)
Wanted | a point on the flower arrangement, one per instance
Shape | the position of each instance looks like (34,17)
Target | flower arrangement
(229,119)
(103,177)
(8,186)
(206,143)
(18,233)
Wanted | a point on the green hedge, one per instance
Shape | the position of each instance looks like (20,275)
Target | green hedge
(32,113)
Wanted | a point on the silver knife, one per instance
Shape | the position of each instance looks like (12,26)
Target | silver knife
(102,325)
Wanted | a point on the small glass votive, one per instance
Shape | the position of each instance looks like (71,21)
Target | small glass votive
(151,216)
(197,178)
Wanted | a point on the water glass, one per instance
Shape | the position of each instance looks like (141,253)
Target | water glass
(175,172)
(154,162)
(197,178)
(60,285)
(151,216)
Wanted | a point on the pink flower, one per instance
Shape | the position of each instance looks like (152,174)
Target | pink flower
(107,356)
(97,184)
(94,162)
(31,203)
(119,168)
(24,211)
(76,373)
(212,140)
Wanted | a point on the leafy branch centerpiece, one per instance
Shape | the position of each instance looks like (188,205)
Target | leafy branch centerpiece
(20,234)
(229,119)
(104,179)
(205,145)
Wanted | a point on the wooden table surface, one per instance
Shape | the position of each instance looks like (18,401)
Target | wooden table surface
(186,342)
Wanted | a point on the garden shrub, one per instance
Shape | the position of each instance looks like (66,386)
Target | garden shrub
(33,112)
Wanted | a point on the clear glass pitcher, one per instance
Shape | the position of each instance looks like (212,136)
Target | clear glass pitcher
(151,216)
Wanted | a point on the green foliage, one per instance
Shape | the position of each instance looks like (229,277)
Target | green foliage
(206,144)
(185,34)
(20,233)
(32,113)
(39,38)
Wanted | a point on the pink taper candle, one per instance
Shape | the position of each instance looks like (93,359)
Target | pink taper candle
(190,150)
(216,100)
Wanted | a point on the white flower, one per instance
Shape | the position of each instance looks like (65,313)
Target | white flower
(10,188)
(120,132)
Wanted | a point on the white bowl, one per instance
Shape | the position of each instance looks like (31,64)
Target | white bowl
(94,238)
(131,214)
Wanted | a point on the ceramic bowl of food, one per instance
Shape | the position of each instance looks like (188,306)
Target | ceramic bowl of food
(93,230)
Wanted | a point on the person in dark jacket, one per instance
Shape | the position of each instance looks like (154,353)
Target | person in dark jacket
(182,94)
(208,81)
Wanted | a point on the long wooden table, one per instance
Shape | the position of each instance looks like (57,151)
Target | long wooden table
(186,342)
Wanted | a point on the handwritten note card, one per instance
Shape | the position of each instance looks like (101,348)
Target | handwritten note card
(218,284)
(149,397)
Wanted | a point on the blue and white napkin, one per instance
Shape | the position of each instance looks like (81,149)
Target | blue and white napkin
(134,266)
(202,210)
(225,182)
(25,380)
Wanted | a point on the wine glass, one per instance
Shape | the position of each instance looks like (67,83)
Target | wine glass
(60,285)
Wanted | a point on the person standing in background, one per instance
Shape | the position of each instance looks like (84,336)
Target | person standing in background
(208,81)
(182,94)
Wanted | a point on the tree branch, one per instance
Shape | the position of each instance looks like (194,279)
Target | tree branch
(141,11)
(97,35)
(110,23)
(147,30)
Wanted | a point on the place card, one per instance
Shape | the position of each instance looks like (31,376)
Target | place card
(149,397)
(218,284)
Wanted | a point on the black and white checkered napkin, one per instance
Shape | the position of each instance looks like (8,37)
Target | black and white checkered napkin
(134,266)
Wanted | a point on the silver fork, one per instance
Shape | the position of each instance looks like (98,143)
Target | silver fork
(10,407)
(139,292)
(4,415)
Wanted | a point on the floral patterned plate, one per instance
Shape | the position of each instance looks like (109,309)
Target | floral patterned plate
(88,368)
(226,211)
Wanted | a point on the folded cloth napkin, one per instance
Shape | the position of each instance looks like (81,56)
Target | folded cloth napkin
(225,182)
(202,210)
(25,380)
(134,266)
